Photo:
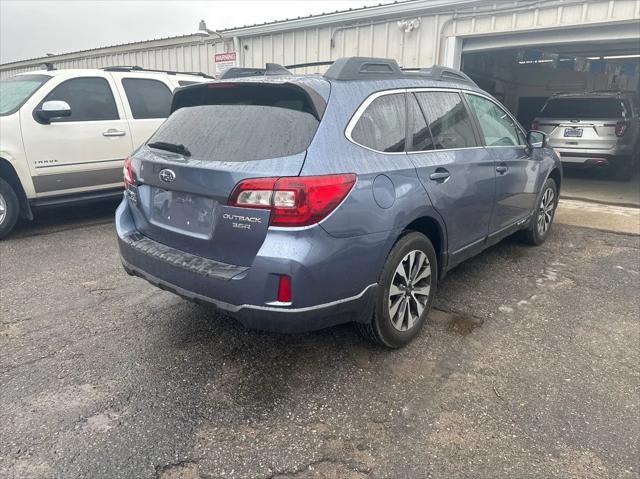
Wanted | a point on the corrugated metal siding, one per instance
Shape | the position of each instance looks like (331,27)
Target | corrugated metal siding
(423,46)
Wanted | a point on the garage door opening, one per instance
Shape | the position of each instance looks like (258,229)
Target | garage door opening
(524,79)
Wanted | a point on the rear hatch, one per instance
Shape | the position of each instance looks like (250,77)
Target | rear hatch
(219,134)
(582,123)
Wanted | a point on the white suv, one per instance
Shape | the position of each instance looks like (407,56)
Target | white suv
(65,133)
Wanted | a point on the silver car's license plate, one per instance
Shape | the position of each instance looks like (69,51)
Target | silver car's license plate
(573,132)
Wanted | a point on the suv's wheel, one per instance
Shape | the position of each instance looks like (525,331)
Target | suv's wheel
(542,220)
(9,208)
(406,288)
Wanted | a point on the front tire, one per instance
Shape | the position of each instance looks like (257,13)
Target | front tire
(406,289)
(540,224)
(9,208)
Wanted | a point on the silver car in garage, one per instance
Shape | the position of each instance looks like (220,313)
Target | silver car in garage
(600,128)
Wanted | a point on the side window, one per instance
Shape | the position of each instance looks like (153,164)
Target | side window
(382,125)
(419,134)
(90,99)
(497,126)
(448,119)
(147,98)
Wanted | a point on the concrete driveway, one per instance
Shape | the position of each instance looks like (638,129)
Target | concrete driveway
(528,367)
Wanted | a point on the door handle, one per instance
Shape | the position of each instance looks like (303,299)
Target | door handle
(440,175)
(502,169)
(113,132)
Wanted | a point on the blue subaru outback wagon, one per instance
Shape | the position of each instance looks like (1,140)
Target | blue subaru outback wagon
(296,202)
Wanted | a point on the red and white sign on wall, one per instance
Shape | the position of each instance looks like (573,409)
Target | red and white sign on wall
(224,61)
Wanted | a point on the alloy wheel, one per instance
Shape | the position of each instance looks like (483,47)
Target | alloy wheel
(409,291)
(545,212)
(3,209)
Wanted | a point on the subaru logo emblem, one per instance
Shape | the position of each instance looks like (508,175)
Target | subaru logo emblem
(167,175)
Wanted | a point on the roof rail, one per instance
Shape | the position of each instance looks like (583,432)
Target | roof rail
(239,72)
(443,74)
(363,68)
(311,64)
(135,68)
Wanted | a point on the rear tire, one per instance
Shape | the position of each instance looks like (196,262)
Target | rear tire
(9,208)
(406,289)
(540,224)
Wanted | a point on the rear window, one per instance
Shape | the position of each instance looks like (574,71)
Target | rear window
(579,108)
(230,122)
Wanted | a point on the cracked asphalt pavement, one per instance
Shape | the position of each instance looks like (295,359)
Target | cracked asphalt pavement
(528,367)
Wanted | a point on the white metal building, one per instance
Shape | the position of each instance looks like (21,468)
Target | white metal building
(512,48)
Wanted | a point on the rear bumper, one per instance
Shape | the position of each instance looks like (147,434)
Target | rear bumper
(334,280)
(591,158)
(278,319)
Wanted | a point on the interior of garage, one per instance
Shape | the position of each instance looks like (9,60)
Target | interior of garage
(522,78)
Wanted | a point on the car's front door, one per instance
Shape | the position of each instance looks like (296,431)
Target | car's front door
(81,152)
(458,173)
(516,168)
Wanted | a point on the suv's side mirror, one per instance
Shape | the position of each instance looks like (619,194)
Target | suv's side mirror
(53,109)
(536,139)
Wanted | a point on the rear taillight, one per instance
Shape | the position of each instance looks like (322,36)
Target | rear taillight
(127,172)
(293,200)
(621,127)
(535,125)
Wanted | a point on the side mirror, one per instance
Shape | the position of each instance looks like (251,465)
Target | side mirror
(537,139)
(53,109)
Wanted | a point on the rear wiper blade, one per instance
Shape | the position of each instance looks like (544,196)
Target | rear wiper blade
(172,147)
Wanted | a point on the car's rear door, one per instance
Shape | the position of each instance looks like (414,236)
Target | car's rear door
(82,152)
(147,102)
(457,172)
(516,166)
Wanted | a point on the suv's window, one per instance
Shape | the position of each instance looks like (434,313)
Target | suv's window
(90,99)
(497,126)
(147,98)
(419,134)
(583,108)
(381,126)
(17,90)
(448,119)
(236,122)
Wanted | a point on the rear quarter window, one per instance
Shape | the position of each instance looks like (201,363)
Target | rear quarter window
(381,126)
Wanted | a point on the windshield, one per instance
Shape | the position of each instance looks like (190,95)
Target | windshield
(16,90)
(583,108)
